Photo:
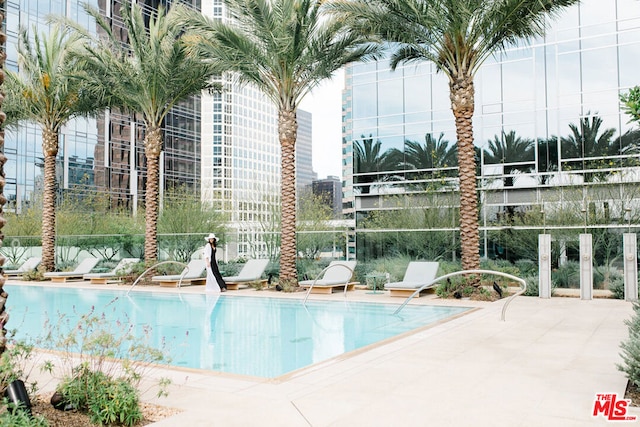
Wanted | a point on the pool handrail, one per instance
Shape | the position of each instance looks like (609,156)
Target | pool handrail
(321,274)
(458,273)
(184,272)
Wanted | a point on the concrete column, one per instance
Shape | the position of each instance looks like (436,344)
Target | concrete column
(544,265)
(630,245)
(586,267)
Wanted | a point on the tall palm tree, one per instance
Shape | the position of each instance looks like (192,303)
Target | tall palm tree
(457,36)
(4,316)
(285,48)
(148,76)
(48,90)
(510,148)
(368,157)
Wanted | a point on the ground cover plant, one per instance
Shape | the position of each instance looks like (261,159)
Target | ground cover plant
(99,373)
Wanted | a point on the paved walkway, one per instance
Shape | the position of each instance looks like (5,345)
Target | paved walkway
(542,366)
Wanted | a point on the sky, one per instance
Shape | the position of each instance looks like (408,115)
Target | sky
(325,104)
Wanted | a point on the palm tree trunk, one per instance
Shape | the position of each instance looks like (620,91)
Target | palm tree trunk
(462,104)
(288,131)
(152,150)
(50,151)
(4,316)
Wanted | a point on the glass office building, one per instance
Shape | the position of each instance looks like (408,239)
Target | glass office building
(222,147)
(240,166)
(104,154)
(560,93)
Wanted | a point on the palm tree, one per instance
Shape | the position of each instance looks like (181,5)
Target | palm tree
(457,36)
(149,76)
(586,142)
(368,158)
(510,148)
(285,48)
(4,316)
(49,90)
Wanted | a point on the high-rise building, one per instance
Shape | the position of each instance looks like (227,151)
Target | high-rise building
(304,154)
(223,147)
(104,153)
(330,189)
(551,92)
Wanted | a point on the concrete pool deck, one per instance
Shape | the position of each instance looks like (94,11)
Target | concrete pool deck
(542,366)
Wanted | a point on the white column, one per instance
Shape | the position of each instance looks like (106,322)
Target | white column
(544,265)
(586,267)
(630,253)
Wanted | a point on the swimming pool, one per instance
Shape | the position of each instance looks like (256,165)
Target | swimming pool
(257,336)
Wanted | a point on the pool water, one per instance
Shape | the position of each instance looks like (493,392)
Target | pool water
(257,336)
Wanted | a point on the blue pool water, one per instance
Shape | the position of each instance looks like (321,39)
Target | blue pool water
(257,336)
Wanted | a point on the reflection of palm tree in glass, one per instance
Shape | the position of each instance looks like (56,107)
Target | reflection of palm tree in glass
(547,158)
(368,157)
(509,149)
(629,144)
(434,154)
(585,143)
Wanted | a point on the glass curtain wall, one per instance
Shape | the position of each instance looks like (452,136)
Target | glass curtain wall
(548,126)
(104,154)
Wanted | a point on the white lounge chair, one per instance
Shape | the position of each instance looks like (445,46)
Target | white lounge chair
(30,264)
(193,274)
(418,274)
(252,271)
(85,266)
(336,276)
(124,266)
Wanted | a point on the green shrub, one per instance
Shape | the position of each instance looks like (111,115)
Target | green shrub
(14,363)
(533,289)
(604,276)
(35,275)
(500,265)
(102,367)
(631,348)
(454,287)
(309,269)
(13,418)
(617,288)
(107,400)
(526,267)
(567,275)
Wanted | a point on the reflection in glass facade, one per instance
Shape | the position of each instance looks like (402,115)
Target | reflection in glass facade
(104,154)
(559,96)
